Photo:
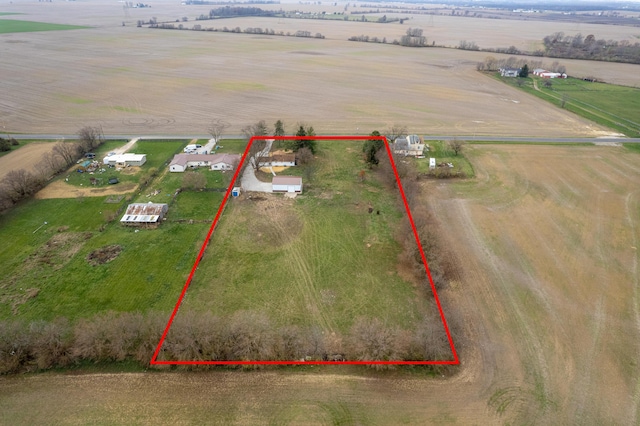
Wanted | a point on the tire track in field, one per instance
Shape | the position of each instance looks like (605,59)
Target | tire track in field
(530,342)
(302,271)
(636,300)
(583,387)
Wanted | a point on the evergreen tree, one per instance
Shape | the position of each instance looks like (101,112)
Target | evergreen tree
(524,72)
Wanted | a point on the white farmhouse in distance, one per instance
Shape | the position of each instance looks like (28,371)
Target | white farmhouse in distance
(410,145)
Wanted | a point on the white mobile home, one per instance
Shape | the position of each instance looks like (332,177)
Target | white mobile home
(125,160)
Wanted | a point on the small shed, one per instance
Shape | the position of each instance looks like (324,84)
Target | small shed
(141,214)
(287,184)
(432,163)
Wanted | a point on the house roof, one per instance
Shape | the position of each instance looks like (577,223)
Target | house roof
(184,159)
(286,180)
(283,157)
(123,158)
(225,158)
(408,142)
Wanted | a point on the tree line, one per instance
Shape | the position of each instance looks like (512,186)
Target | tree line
(20,184)
(243,336)
(413,37)
(559,45)
(6,144)
(442,263)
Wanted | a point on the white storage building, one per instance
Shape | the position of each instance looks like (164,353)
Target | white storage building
(124,160)
(287,184)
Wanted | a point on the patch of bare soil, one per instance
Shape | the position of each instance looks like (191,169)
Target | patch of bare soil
(60,189)
(104,255)
(271,220)
(50,257)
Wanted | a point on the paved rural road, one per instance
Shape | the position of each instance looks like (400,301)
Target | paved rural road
(426,137)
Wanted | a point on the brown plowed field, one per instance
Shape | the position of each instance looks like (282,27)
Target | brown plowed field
(547,240)
(150,81)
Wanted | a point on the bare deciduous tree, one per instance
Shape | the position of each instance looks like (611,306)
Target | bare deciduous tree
(256,129)
(250,336)
(396,131)
(67,151)
(89,138)
(304,156)
(20,184)
(216,127)
(456,145)
(371,340)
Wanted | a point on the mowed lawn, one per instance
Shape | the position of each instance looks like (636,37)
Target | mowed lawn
(319,260)
(16,26)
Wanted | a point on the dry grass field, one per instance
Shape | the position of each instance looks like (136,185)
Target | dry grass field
(24,158)
(145,81)
(548,237)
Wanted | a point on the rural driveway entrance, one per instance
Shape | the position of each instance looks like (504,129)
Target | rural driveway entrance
(249,181)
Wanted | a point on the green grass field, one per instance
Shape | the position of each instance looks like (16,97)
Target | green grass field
(616,107)
(45,271)
(319,260)
(15,26)
(442,154)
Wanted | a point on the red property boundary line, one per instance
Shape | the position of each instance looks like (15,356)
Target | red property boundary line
(455,361)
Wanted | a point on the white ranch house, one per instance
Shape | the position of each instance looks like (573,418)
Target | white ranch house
(287,184)
(124,160)
(182,162)
(278,160)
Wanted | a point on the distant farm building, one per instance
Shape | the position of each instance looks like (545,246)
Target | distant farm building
(548,74)
(182,162)
(510,72)
(125,160)
(144,214)
(410,145)
(287,184)
(552,75)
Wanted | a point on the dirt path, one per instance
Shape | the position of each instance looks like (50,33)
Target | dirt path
(126,147)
